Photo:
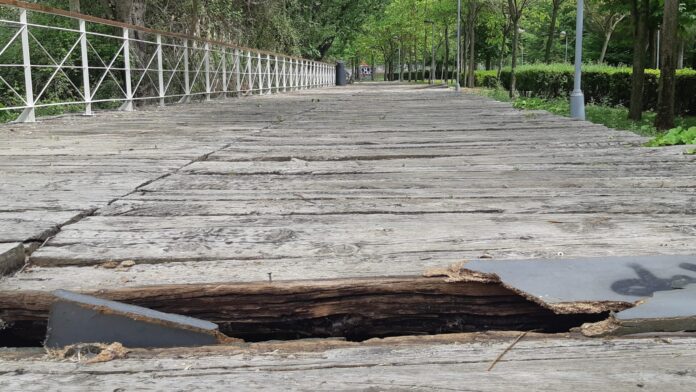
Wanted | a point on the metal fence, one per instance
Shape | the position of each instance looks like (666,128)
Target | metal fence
(51,58)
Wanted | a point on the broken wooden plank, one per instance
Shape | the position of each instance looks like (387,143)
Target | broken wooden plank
(11,257)
(353,308)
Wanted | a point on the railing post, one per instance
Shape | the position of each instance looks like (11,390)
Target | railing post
(269,79)
(160,70)
(29,112)
(237,70)
(304,74)
(85,69)
(207,71)
(128,104)
(288,74)
(298,73)
(277,73)
(283,74)
(224,72)
(187,83)
(249,75)
(259,73)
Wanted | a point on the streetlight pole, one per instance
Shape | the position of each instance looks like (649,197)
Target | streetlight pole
(432,56)
(577,98)
(521,30)
(459,45)
(564,35)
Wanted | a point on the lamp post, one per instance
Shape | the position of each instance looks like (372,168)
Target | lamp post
(459,45)
(432,57)
(521,30)
(577,98)
(657,49)
(564,35)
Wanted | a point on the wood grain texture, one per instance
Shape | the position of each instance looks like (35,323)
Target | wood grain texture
(367,181)
(436,363)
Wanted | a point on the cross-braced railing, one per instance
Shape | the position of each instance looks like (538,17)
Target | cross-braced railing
(51,57)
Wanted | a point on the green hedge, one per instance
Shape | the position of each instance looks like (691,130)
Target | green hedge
(600,84)
(419,75)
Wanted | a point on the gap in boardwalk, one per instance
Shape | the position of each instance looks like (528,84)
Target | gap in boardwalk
(352,309)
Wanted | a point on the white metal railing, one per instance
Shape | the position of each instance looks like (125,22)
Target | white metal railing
(89,61)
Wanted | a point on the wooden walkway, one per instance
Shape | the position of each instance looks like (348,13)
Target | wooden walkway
(359,181)
(421,364)
(344,185)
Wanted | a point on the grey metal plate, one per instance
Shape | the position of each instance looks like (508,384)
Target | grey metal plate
(592,279)
(77,318)
(666,304)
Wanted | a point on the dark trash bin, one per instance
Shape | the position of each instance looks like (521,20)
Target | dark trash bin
(341,74)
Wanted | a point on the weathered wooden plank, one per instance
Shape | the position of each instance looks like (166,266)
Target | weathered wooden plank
(180,204)
(438,363)
(378,191)
(11,257)
(22,226)
(98,239)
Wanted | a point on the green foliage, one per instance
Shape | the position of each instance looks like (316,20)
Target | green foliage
(612,117)
(678,135)
(601,84)
(488,79)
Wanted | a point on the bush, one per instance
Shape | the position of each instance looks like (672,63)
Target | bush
(601,84)
(487,79)
(418,75)
(675,136)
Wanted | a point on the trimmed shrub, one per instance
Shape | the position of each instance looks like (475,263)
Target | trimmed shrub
(487,79)
(419,75)
(600,84)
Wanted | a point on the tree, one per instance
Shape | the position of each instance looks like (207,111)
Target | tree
(604,17)
(555,6)
(472,15)
(640,12)
(75,5)
(130,11)
(515,9)
(668,56)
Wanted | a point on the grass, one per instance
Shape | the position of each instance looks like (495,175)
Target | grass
(612,117)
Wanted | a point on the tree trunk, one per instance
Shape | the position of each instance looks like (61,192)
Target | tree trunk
(471,76)
(425,51)
(652,47)
(607,37)
(640,10)
(552,30)
(194,23)
(680,58)
(465,62)
(668,58)
(74,5)
(515,40)
(501,60)
(130,11)
(445,63)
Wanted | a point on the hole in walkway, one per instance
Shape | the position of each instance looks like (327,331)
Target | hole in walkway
(353,309)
